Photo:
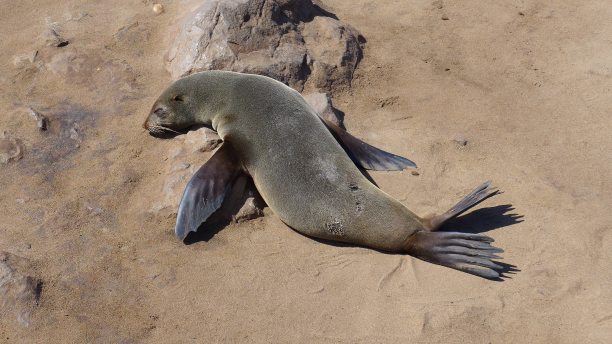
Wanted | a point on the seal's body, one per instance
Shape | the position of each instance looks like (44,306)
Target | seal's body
(303,173)
(305,169)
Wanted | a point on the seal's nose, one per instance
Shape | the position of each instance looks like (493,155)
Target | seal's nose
(147,122)
(155,114)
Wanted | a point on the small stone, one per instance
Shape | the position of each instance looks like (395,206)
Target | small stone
(445,17)
(10,149)
(461,140)
(41,121)
(414,173)
(74,134)
(55,39)
(158,9)
(250,210)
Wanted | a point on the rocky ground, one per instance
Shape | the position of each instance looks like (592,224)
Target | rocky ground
(517,92)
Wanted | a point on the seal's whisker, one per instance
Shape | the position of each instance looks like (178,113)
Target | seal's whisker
(156,127)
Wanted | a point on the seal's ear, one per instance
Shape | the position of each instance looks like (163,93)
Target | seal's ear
(206,190)
(366,156)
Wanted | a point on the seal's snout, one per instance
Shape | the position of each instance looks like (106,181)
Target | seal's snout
(155,117)
(159,122)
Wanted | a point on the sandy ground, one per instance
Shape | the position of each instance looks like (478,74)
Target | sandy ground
(527,83)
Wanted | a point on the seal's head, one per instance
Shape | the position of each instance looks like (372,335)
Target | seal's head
(191,101)
(174,111)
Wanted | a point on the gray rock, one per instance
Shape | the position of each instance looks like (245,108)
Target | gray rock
(19,290)
(322,104)
(289,40)
(245,203)
(249,211)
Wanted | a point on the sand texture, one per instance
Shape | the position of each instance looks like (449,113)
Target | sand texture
(519,92)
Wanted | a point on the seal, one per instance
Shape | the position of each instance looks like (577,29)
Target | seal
(307,170)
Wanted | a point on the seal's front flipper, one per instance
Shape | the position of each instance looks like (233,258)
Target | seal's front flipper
(206,190)
(471,253)
(365,155)
(476,196)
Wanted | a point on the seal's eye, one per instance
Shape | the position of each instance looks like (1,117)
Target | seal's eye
(178,98)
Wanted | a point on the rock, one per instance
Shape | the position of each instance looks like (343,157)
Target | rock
(10,149)
(158,9)
(249,204)
(249,211)
(201,140)
(334,49)
(41,120)
(322,104)
(460,140)
(291,41)
(19,290)
(55,39)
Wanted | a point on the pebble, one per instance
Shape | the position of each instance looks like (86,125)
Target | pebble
(10,149)
(461,140)
(55,39)
(41,121)
(158,9)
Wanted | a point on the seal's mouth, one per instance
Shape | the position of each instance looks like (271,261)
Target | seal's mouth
(162,132)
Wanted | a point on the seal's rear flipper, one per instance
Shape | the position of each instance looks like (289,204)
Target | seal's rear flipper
(206,190)
(365,155)
(476,196)
(471,253)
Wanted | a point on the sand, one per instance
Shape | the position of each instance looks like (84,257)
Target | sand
(526,85)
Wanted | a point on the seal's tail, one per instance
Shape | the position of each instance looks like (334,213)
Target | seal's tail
(477,195)
(471,253)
